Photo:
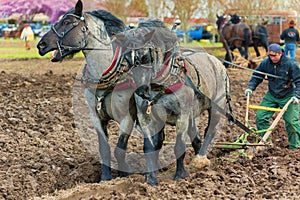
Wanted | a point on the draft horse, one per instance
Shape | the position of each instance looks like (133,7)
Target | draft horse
(176,88)
(105,76)
(234,36)
(259,34)
(259,38)
(91,33)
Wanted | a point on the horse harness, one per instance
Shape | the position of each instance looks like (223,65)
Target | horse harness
(113,78)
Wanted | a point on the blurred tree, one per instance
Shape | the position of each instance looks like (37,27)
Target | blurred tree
(184,10)
(29,8)
(139,6)
(249,7)
(118,7)
(155,8)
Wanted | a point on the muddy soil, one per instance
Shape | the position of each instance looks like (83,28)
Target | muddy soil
(44,156)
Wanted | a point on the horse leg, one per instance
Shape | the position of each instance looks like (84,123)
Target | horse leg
(99,125)
(201,160)
(120,154)
(126,117)
(242,52)
(182,127)
(228,58)
(152,128)
(255,46)
(152,146)
(247,38)
(194,136)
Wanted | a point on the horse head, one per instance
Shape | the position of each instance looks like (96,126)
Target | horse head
(78,30)
(136,46)
(220,21)
(67,35)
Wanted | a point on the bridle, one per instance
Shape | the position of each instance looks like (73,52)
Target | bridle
(84,28)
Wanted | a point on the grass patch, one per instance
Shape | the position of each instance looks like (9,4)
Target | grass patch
(15,49)
(201,43)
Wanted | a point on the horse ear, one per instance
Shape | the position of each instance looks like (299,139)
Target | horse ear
(78,8)
(148,36)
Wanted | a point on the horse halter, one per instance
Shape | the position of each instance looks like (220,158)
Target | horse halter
(134,57)
(61,35)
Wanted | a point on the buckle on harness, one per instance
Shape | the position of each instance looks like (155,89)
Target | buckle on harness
(148,110)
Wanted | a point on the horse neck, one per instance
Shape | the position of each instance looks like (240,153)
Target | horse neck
(100,58)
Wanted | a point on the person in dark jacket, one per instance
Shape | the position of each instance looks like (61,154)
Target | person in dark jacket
(290,37)
(235,19)
(283,84)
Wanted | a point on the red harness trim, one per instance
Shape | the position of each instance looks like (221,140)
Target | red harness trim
(126,85)
(113,63)
(174,88)
(165,65)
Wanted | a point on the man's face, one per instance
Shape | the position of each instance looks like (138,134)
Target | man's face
(275,56)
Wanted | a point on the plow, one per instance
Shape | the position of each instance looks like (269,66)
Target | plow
(252,138)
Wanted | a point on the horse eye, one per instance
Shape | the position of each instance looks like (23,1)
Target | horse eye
(66,22)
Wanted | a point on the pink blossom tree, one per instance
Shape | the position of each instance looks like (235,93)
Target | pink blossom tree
(28,8)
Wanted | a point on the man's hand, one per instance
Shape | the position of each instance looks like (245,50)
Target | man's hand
(295,100)
(248,92)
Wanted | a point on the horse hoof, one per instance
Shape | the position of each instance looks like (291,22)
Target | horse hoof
(123,174)
(181,175)
(152,181)
(106,178)
(200,162)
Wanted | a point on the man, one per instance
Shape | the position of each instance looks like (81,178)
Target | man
(283,84)
(290,37)
(235,19)
(27,35)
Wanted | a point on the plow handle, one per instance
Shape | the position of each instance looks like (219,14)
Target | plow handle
(247,110)
(267,134)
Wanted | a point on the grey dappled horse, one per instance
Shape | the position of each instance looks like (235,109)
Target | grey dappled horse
(91,33)
(168,83)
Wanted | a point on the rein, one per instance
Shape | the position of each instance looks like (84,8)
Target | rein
(253,70)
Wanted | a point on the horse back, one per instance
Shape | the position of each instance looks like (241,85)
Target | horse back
(209,74)
(240,31)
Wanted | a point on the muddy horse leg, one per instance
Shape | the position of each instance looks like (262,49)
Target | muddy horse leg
(99,125)
(194,136)
(120,154)
(201,160)
(152,146)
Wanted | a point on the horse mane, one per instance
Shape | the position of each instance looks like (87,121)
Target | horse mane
(163,37)
(111,22)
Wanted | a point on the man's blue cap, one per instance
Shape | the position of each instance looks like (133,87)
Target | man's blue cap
(275,48)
